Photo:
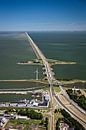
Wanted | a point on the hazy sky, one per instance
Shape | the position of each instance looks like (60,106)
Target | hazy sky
(42,15)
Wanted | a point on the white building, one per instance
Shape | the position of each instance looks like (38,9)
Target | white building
(35,104)
(3,122)
(63,126)
(22,117)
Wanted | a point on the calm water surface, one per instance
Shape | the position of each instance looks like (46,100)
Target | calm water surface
(65,46)
(15,48)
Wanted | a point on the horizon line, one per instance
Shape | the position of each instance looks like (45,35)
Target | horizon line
(42,30)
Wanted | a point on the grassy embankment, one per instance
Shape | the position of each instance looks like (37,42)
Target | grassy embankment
(40,62)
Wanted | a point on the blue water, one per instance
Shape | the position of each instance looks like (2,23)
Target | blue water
(14,48)
(65,46)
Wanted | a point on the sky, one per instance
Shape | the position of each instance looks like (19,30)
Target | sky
(42,15)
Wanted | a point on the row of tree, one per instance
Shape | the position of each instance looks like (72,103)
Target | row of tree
(30,114)
(80,100)
(69,120)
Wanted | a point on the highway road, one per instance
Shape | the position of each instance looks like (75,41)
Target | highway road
(74,112)
(47,68)
(51,80)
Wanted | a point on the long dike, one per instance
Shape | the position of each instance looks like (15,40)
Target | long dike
(50,81)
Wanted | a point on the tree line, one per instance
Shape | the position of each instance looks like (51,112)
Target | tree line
(80,100)
(69,120)
(30,114)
